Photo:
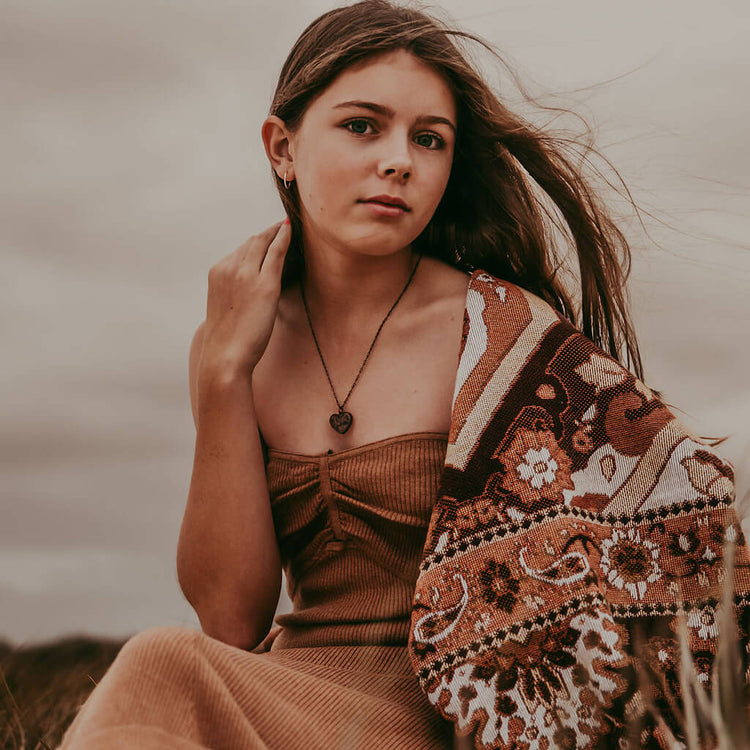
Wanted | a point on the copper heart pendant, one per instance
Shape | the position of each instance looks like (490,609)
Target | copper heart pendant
(341,421)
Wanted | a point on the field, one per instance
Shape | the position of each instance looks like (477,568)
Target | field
(42,687)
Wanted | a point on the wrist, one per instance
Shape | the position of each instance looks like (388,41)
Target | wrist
(222,373)
(219,384)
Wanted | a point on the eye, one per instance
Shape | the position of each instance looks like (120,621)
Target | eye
(436,138)
(440,142)
(352,122)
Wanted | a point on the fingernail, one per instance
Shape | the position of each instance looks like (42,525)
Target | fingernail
(286,221)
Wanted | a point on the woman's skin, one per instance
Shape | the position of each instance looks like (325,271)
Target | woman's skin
(336,164)
(357,264)
(253,362)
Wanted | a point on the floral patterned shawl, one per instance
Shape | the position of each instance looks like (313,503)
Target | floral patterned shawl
(574,512)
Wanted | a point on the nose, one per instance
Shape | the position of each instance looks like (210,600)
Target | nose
(396,158)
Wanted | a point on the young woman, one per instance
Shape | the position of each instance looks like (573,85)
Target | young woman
(336,439)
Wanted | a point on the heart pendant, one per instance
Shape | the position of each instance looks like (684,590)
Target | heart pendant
(341,421)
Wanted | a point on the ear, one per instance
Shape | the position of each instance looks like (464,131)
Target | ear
(278,142)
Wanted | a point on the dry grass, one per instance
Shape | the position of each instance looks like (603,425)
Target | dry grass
(42,687)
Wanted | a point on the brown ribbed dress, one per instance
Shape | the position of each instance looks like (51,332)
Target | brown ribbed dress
(351,527)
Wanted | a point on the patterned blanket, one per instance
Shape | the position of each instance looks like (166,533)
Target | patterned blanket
(574,513)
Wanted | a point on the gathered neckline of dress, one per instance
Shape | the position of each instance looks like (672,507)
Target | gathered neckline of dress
(359,449)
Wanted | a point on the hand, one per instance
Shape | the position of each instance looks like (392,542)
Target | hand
(265,644)
(243,298)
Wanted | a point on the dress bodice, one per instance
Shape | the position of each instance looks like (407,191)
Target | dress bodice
(351,527)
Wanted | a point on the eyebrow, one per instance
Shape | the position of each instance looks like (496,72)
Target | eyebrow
(388,112)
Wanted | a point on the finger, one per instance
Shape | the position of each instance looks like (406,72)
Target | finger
(255,246)
(273,262)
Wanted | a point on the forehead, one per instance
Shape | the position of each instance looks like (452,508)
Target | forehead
(396,79)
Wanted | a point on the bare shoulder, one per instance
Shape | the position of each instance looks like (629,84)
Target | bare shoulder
(443,286)
(445,272)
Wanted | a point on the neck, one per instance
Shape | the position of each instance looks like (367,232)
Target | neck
(351,294)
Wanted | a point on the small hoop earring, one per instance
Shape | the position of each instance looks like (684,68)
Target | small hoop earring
(285,184)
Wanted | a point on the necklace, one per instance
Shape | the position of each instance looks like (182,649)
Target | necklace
(342,420)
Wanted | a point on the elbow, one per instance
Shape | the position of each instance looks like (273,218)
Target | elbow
(222,618)
(241,629)
(240,636)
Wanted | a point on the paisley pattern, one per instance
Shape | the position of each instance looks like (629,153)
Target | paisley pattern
(574,514)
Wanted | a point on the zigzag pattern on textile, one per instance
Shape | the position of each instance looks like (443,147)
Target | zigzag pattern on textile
(574,513)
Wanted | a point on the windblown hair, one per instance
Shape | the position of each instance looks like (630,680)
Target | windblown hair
(508,178)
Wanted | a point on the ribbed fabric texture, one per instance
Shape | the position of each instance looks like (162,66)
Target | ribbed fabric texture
(351,526)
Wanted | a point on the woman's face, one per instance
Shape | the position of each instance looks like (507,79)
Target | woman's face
(344,154)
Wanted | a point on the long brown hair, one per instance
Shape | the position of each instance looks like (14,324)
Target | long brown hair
(507,181)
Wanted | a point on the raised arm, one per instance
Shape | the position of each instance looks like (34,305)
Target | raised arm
(228,563)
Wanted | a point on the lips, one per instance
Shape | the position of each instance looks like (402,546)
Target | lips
(388,200)
(390,205)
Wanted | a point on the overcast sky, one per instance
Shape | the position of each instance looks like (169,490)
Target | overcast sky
(132,162)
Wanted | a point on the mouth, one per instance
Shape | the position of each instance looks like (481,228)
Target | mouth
(388,200)
(385,209)
(388,205)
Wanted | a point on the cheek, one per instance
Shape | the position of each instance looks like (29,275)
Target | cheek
(435,182)
(328,179)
